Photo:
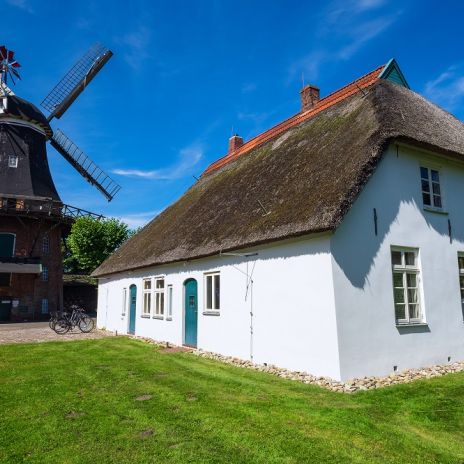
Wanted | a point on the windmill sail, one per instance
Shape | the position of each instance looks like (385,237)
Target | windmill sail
(75,81)
(84,165)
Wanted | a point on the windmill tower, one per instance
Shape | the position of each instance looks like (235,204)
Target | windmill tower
(32,216)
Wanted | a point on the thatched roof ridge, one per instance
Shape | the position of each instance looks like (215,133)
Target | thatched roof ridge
(306,178)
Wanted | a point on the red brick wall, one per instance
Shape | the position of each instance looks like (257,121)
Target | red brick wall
(30,289)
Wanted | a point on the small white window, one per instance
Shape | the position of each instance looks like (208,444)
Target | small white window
(146,297)
(159,297)
(406,286)
(13,161)
(212,292)
(45,306)
(46,245)
(431,190)
(124,301)
(169,314)
(461,279)
(45,273)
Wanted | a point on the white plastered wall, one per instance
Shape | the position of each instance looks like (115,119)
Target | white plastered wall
(293,305)
(370,343)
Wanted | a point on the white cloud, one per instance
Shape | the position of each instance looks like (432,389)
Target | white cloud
(135,220)
(136,46)
(189,157)
(344,28)
(448,88)
(21,4)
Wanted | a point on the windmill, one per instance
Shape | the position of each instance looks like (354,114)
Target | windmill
(32,216)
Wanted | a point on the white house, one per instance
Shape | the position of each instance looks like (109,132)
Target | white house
(332,243)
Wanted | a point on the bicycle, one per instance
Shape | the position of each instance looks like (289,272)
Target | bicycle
(53,319)
(78,318)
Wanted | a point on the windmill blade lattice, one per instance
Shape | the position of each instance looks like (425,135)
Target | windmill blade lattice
(8,65)
(75,81)
(84,165)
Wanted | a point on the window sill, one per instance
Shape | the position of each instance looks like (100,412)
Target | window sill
(158,317)
(169,318)
(431,209)
(211,313)
(411,324)
(145,316)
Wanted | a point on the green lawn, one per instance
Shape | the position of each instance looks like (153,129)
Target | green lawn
(118,400)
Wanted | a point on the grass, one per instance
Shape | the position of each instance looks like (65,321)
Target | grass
(118,400)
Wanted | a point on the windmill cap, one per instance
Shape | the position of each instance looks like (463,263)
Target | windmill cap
(18,108)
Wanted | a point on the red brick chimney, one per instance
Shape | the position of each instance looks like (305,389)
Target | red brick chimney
(235,142)
(309,97)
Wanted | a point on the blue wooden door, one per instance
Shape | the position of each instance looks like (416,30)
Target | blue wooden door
(132,308)
(191,312)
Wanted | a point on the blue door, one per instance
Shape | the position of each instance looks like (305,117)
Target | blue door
(191,312)
(132,308)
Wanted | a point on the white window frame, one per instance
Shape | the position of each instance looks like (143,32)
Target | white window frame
(13,161)
(46,244)
(215,306)
(147,297)
(461,276)
(169,305)
(405,269)
(124,301)
(44,307)
(45,273)
(430,182)
(159,298)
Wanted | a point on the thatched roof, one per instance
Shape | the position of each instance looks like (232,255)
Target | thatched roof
(306,177)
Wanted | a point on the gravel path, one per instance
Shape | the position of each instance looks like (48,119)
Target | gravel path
(37,332)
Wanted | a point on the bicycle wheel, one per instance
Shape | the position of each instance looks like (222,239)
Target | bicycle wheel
(51,323)
(86,324)
(61,326)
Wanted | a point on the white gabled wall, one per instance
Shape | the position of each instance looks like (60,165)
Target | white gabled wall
(369,341)
(293,306)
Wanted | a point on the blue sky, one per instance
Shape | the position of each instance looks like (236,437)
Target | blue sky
(185,74)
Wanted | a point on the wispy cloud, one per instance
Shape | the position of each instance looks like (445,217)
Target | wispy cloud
(189,157)
(135,220)
(21,4)
(136,46)
(448,88)
(345,27)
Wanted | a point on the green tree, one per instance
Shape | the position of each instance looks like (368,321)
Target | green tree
(91,241)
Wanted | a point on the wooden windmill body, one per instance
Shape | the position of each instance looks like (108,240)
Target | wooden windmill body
(33,219)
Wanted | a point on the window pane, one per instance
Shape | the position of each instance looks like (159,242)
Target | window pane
(396,258)
(169,300)
(412,296)
(159,283)
(161,303)
(157,303)
(400,311)
(147,284)
(209,292)
(436,188)
(414,312)
(217,291)
(426,199)
(398,280)
(399,295)
(437,201)
(461,262)
(410,258)
(425,185)
(424,173)
(435,175)
(411,280)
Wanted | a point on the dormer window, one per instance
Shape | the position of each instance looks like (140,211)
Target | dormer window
(431,189)
(13,161)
